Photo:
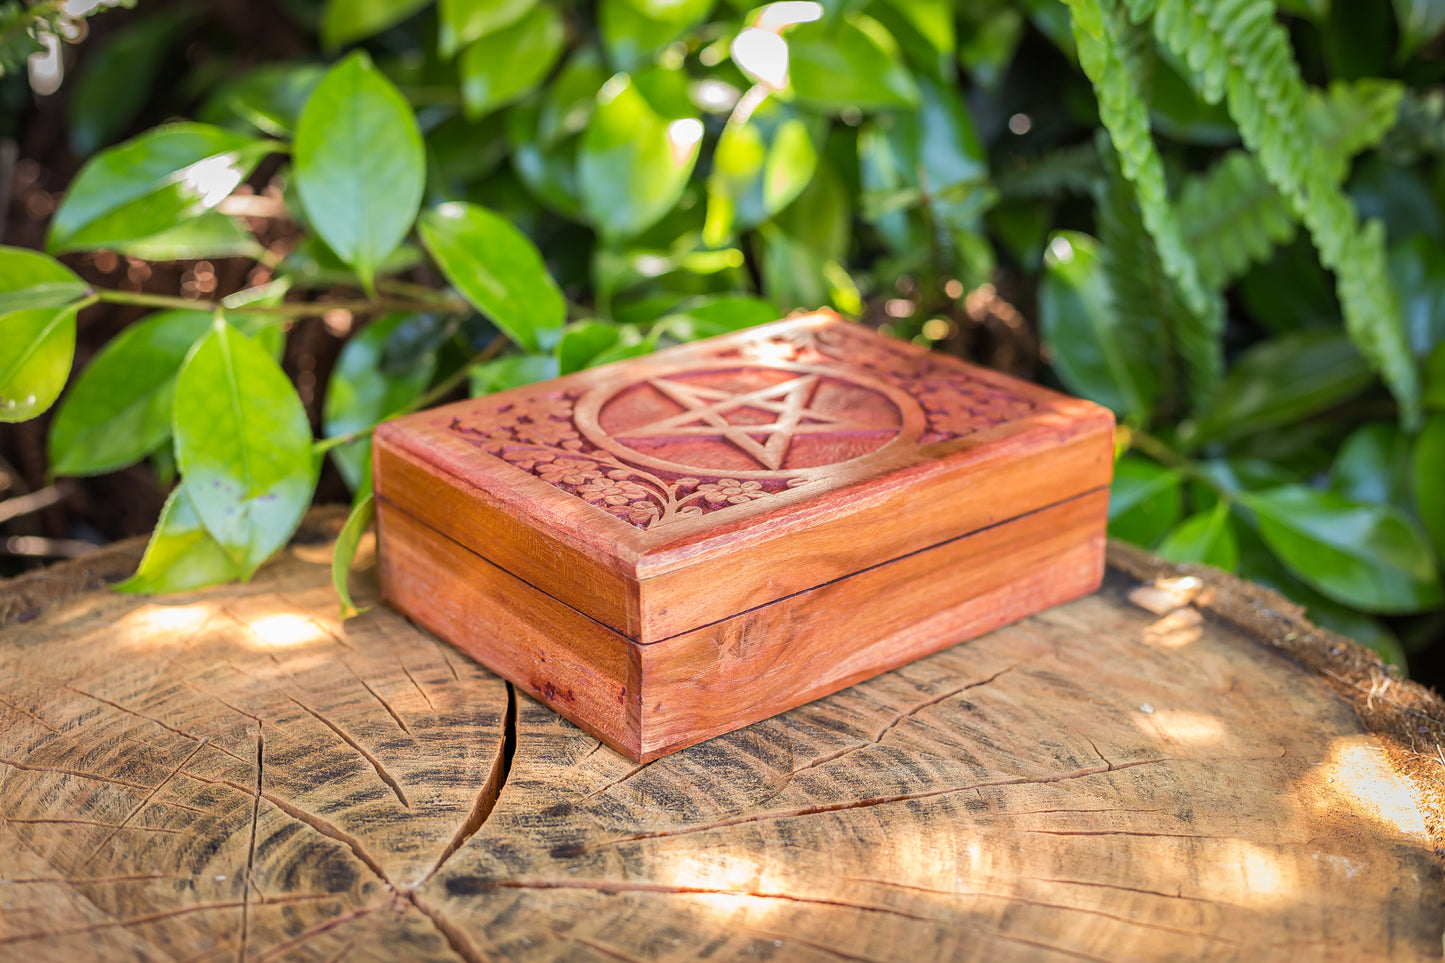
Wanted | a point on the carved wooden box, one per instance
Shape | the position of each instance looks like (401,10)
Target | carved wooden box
(673,547)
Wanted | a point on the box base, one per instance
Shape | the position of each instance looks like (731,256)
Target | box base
(648,699)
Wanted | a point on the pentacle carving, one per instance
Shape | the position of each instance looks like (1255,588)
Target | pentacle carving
(753,421)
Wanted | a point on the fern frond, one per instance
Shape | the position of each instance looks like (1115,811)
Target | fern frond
(1142,296)
(1239,47)
(1066,170)
(1112,52)
(1233,217)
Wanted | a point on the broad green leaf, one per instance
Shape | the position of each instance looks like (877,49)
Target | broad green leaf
(269,98)
(1283,381)
(764,159)
(1370,557)
(1090,345)
(1420,22)
(211,235)
(852,63)
(498,270)
(152,183)
(360,167)
(797,275)
(513,371)
(582,342)
(29,279)
(713,316)
(182,555)
(499,67)
(115,80)
(119,409)
(633,31)
(988,42)
(1417,267)
(243,444)
(569,100)
(1373,465)
(37,347)
(1207,537)
(549,171)
(631,345)
(362,392)
(1429,477)
(347,21)
(634,162)
(362,512)
(462,21)
(927,32)
(1145,501)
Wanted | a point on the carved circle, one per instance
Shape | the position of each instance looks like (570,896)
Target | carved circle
(772,420)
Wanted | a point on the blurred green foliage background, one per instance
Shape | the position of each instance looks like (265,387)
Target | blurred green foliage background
(1221,219)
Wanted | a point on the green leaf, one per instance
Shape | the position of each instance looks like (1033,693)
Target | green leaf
(1207,537)
(37,347)
(362,512)
(634,162)
(115,80)
(181,555)
(499,67)
(1420,22)
(360,167)
(1093,350)
(1370,557)
(1282,381)
(851,63)
(1429,477)
(211,235)
(243,444)
(152,183)
(582,342)
(462,21)
(119,409)
(634,31)
(712,316)
(1373,465)
(1145,500)
(513,371)
(346,21)
(29,279)
(764,159)
(269,98)
(498,270)
(569,100)
(1417,267)
(362,392)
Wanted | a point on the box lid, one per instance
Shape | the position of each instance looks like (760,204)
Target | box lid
(660,494)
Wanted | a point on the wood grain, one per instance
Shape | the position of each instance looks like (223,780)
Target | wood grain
(221,777)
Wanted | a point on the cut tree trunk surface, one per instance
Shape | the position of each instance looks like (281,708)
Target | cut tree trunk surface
(238,775)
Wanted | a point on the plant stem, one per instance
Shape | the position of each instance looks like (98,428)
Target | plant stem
(439,391)
(292,309)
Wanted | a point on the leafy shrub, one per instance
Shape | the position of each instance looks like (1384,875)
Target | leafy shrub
(1226,214)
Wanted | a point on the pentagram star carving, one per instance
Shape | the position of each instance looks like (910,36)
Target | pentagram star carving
(706,410)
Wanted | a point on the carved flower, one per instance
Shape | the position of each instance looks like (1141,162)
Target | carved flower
(640,512)
(527,459)
(541,408)
(547,432)
(731,491)
(612,493)
(569,471)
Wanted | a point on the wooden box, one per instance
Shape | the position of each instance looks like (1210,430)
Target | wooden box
(669,548)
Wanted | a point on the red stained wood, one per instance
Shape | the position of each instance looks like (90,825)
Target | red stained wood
(758,493)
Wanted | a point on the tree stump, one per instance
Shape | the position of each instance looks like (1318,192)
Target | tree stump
(238,775)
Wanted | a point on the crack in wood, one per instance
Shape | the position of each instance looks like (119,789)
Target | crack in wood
(143,803)
(567,852)
(141,715)
(63,821)
(619,780)
(604,949)
(281,949)
(73,772)
(251,850)
(381,772)
(153,918)
(491,788)
(401,723)
(26,712)
(793,938)
(89,880)
(899,718)
(455,936)
(613,887)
